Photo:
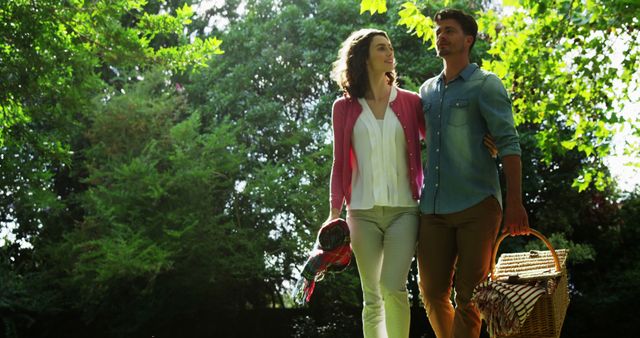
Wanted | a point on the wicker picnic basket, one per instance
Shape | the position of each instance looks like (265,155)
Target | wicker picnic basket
(547,316)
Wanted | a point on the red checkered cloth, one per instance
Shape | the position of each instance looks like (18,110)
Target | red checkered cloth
(331,253)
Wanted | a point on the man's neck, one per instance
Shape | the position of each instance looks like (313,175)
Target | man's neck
(453,66)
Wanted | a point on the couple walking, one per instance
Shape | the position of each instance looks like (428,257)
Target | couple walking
(377,172)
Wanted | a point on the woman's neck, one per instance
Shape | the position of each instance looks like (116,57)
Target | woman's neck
(378,87)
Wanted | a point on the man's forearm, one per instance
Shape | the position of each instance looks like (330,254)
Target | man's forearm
(513,173)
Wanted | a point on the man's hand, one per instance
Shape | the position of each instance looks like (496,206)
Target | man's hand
(490,143)
(516,220)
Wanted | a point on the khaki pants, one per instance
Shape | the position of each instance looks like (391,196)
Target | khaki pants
(457,244)
(383,240)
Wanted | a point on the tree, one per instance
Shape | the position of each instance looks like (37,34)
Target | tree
(274,85)
(55,58)
(155,220)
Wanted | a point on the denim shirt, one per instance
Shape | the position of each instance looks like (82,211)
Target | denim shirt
(459,170)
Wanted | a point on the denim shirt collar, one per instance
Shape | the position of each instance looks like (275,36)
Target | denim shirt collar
(465,74)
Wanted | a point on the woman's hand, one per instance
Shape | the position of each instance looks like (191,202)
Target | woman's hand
(335,213)
(490,143)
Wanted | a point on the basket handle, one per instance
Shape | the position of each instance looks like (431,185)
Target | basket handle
(533,232)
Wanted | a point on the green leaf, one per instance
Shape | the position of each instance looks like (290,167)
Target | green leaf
(512,3)
(136,4)
(373,6)
(184,14)
(416,23)
(569,144)
(583,181)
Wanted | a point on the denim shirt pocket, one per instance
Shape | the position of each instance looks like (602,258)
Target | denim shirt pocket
(458,112)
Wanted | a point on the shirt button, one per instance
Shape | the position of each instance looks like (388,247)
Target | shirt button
(437,167)
(438,133)
(438,150)
(436,184)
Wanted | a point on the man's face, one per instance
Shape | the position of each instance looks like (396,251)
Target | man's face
(450,39)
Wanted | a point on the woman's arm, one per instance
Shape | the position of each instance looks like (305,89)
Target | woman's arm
(421,121)
(336,192)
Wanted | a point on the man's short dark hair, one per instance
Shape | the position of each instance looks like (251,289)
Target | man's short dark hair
(466,21)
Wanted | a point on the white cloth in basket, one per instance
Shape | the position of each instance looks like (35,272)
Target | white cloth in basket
(505,306)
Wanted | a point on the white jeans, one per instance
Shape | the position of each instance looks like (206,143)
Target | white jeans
(383,240)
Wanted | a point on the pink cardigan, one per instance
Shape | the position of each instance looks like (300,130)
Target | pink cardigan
(408,108)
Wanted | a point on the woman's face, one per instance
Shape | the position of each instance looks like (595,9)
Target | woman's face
(381,58)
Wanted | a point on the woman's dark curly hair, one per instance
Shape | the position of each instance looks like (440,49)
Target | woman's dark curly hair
(350,69)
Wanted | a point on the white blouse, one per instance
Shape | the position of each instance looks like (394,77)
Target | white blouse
(380,175)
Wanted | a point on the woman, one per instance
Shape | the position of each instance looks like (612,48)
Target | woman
(377,171)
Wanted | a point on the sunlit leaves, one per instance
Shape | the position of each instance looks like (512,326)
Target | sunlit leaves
(373,6)
(154,24)
(136,4)
(410,15)
(569,144)
(416,22)
(512,3)
(98,26)
(10,113)
(591,176)
(192,55)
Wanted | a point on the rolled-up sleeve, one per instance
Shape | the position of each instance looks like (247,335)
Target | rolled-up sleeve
(495,107)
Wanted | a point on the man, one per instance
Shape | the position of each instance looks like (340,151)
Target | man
(461,203)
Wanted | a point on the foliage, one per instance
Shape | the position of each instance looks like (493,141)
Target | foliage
(373,6)
(55,57)
(156,211)
(274,84)
(49,47)
(579,252)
